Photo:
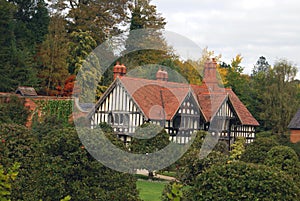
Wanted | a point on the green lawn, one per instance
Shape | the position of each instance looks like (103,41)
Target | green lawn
(150,190)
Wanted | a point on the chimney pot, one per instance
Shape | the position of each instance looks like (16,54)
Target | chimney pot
(119,70)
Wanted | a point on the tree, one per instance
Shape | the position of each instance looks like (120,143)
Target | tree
(53,55)
(236,80)
(149,138)
(63,166)
(81,45)
(17,145)
(283,158)
(256,152)
(14,111)
(26,26)
(190,164)
(195,166)
(262,65)
(145,31)
(278,95)
(237,149)
(103,19)
(6,179)
(173,192)
(146,142)
(7,11)
(243,181)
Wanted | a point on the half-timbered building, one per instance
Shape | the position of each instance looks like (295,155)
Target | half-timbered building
(178,107)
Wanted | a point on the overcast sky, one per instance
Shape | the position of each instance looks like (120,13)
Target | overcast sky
(252,28)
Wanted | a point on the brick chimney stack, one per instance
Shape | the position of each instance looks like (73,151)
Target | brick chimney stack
(162,75)
(210,74)
(119,70)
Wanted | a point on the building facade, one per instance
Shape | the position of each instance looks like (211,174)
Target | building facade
(179,108)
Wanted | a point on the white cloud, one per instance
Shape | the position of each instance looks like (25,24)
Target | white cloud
(251,27)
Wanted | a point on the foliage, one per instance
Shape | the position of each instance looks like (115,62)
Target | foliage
(113,138)
(256,152)
(61,109)
(7,11)
(237,149)
(191,164)
(205,54)
(283,158)
(151,138)
(6,179)
(24,26)
(243,181)
(262,65)
(189,71)
(13,111)
(16,144)
(64,167)
(276,92)
(81,45)
(173,192)
(53,57)
(195,166)
(67,198)
(147,45)
(103,19)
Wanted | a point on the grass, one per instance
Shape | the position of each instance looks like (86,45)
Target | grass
(166,173)
(150,190)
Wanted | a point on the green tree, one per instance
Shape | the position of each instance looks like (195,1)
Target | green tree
(103,19)
(6,179)
(64,167)
(262,65)
(173,192)
(7,11)
(256,152)
(14,111)
(146,141)
(283,158)
(26,24)
(243,181)
(149,138)
(53,55)
(81,45)
(278,95)
(137,53)
(17,144)
(237,149)
(191,165)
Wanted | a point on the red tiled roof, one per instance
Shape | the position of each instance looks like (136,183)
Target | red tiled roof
(210,102)
(243,113)
(155,96)
(161,99)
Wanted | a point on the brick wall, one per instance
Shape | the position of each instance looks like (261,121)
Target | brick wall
(295,136)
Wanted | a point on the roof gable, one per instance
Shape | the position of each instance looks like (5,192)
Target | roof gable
(26,91)
(157,99)
(211,101)
(242,112)
(160,100)
(295,122)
